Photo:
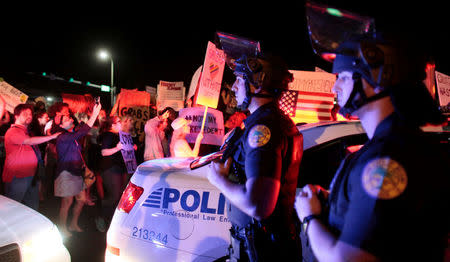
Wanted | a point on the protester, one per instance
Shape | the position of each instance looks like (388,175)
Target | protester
(112,166)
(22,156)
(179,147)
(50,160)
(153,135)
(235,120)
(259,176)
(380,193)
(37,126)
(71,168)
(167,132)
(39,107)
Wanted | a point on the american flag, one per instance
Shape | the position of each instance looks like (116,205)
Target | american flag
(311,105)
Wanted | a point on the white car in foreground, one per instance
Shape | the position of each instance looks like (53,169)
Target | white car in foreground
(27,235)
(169,212)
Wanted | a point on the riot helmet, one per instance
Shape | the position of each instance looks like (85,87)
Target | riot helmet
(387,61)
(268,73)
(244,57)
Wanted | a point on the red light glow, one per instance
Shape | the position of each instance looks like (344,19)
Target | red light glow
(329,56)
(129,197)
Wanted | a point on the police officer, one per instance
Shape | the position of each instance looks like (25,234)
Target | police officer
(388,200)
(259,179)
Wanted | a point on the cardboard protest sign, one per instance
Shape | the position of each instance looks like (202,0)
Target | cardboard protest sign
(170,94)
(309,98)
(12,96)
(136,104)
(214,126)
(211,77)
(128,152)
(443,88)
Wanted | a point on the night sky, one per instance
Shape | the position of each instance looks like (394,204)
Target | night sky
(166,40)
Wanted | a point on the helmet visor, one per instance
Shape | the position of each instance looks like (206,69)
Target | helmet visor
(235,47)
(329,27)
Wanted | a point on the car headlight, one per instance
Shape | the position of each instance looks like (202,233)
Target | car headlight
(41,246)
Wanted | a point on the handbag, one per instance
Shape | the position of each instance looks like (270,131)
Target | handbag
(88,177)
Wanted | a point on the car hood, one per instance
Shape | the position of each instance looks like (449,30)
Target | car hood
(17,221)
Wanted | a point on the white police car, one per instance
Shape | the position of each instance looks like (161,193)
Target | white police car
(26,235)
(169,212)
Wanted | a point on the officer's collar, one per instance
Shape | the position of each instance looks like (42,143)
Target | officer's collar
(386,126)
(258,111)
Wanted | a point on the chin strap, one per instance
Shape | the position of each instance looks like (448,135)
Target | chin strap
(358,98)
(249,95)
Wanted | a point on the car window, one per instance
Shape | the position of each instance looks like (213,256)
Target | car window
(319,163)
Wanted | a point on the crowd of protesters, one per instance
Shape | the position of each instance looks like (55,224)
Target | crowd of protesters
(48,152)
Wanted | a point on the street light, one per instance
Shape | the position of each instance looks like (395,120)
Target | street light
(104,55)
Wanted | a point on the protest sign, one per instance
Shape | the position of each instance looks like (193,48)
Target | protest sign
(443,87)
(12,96)
(128,152)
(170,94)
(152,92)
(137,105)
(194,82)
(211,77)
(309,98)
(214,126)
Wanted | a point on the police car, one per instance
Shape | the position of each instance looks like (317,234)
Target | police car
(26,235)
(170,212)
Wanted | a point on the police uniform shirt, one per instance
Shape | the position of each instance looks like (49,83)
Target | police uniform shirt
(389,197)
(262,151)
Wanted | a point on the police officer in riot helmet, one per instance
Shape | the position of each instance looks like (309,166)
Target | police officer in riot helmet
(387,201)
(259,178)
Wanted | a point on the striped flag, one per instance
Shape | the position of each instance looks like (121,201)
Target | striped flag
(309,98)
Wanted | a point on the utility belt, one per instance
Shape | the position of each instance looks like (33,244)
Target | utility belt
(256,242)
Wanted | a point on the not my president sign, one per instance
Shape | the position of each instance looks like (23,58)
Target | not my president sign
(214,127)
(128,152)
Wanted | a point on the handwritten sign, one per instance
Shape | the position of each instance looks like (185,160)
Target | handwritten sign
(214,127)
(140,115)
(128,152)
(136,104)
(443,87)
(12,96)
(211,77)
(170,94)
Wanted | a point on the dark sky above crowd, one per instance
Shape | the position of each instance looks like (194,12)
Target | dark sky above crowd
(166,40)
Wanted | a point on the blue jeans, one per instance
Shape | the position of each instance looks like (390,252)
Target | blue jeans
(22,190)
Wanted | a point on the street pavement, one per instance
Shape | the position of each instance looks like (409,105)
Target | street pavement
(87,246)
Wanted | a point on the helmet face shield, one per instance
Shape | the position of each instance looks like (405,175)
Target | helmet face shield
(235,47)
(329,27)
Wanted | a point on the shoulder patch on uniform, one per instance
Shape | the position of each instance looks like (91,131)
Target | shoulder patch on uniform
(384,178)
(258,136)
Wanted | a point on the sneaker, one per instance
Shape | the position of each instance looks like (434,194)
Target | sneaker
(100,224)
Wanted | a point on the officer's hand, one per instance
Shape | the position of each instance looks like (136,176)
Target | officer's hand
(321,191)
(218,170)
(307,203)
